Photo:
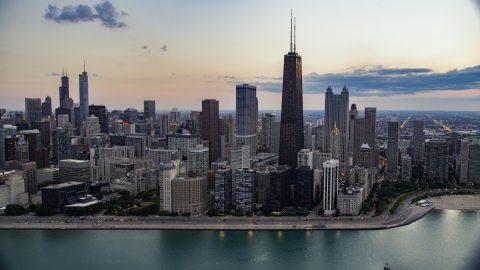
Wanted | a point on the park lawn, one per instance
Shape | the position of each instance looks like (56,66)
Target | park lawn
(155,201)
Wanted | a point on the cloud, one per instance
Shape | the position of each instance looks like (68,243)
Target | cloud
(227,77)
(94,75)
(268,78)
(82,13)
(144,47)
(54,74)
(381,81)
(164,48)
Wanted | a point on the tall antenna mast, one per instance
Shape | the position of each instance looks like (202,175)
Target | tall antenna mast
(83,65)
(295,34)
(63,72)
(290,30)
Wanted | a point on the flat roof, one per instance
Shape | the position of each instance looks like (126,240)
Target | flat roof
(66,184)
(83,204)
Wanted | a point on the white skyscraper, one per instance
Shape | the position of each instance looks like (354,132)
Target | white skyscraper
(330,185)
(246,121)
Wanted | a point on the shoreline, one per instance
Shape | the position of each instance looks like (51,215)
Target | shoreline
(409,215)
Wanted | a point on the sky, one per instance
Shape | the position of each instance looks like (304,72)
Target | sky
(393,55)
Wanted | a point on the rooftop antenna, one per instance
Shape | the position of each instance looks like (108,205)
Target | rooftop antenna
(295,34)
(83,65)
(66,72)
(290,30)
(63,72)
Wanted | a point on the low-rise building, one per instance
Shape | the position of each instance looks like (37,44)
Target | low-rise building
(61,195)
(350,202)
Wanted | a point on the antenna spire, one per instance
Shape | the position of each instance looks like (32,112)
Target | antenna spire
(63,72)
(295,34)
(66,72)
(83,65)
(290,30)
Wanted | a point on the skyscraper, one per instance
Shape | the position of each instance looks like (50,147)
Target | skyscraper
(246,122)
(64,90)
(330,186)
(149,109)
(210,127)
(392,149)
(47,107)
(33,109)
(418,139)
(436,161)
(370,125)
(175,116)
(474,163)
(291,123)
(336,116)
(464,153)
(266,138)
(101,112)
(83,91)
(307,134)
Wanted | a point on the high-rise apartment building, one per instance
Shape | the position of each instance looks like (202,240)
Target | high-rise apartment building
(307,136)
(266,134)
(149,109)
(210,131)
(303,187)
(59,145)
(418,139)
(280,188)
(223,189)
(246,121)
(464,153)
(291,122)
(392,149)
(436,161)
(197,161)
(474,163)
(330,186)
(320,138)
(245,187)
(83,91)
(5,130)
(33,109)
(406,168)
(336,117)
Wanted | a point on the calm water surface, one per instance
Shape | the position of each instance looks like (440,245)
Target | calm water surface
(444,239)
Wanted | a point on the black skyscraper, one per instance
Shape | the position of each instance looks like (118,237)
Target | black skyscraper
(101,112)
(64,91)
(291,125)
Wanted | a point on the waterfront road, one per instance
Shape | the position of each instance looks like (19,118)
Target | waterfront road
(405,216)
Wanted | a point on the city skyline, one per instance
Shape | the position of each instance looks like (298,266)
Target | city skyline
(390,55)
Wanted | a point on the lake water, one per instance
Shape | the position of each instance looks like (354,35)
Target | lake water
(445,239)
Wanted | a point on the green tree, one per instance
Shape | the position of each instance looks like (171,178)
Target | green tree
(337,213)
(321,211)
(75,211)
(32,207)
(98,195)
(266,209)
(212,212)
(15,210)
(44,211)
(153,208)
(124,193)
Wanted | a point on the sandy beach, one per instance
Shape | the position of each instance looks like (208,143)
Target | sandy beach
(457,202)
